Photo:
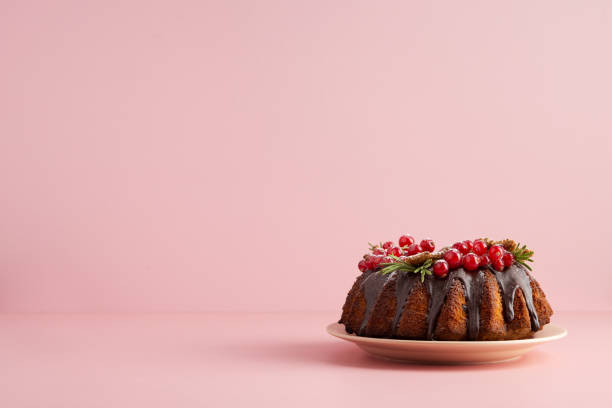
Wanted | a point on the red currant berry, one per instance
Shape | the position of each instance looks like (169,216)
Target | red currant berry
(461,247)
(387,245)
(414,249)
(406,240)
(498,264)
(362,265)
(468,244)
(479,247)
(440,268)
(428,245)
(484,261)
(471,261)
(508,259)
(374,261)
(496,252)
(395,251)
(453,257)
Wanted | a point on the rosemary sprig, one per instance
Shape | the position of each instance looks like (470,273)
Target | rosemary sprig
(522,255)
(424,269)
(400,265)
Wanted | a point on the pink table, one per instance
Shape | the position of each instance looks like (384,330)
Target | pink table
(226,359)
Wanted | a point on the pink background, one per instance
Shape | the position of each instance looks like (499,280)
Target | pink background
(189,156)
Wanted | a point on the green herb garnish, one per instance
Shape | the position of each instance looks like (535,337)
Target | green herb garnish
(400,265)
(523,255)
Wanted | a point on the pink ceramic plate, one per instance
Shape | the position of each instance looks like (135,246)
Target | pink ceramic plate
(449,352)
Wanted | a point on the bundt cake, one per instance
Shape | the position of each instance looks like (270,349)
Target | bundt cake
(480,290)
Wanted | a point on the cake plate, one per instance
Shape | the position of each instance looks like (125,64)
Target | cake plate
(449,352)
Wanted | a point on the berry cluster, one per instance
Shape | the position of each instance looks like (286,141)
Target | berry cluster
(471,256)
(384,253)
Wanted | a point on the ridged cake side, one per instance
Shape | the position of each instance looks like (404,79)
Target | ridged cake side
(399,305)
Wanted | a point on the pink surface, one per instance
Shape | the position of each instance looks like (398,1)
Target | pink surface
(237,155)
(271,360)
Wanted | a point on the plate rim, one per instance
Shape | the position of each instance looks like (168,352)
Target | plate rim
(330,328)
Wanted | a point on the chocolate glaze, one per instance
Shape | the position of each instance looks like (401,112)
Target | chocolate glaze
(438,289)
(509,281)
(372,286)
(405,284)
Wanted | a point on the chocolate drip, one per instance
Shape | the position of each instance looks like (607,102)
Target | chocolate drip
(437,289)
(372,286)
(473,283)
(509,281)
(404,285)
